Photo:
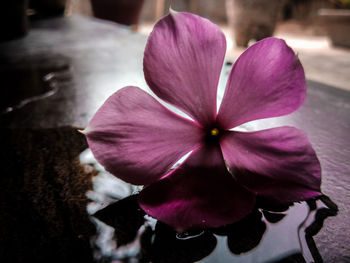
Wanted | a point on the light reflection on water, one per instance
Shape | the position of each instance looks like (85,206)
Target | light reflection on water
(286,236)
(279,241)
(106,187)
(27,83)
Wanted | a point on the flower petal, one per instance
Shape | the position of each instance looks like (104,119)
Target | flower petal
(278,164)
(137,139)
(182,63)
(199,194)
(266,81)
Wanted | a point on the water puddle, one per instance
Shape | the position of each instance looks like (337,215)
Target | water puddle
(269,234)
(25,83)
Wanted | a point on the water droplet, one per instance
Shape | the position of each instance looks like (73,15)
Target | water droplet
(189,234)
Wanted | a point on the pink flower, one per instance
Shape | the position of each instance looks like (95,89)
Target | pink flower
(138,140)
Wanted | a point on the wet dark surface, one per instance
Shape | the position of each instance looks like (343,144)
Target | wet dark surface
(91,60)
(270,233)
(30,81)
(53,81)
(43,214)
(325,117)
(253,239)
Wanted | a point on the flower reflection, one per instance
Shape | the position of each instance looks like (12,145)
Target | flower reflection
(141,240)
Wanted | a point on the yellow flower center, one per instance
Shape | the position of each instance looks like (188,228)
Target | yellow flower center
(214,132)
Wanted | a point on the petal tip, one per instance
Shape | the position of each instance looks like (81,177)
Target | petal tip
(83,131)
(172,11)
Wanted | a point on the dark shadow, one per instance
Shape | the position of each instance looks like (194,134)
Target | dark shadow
(244,235)
(331,209)
(125,216)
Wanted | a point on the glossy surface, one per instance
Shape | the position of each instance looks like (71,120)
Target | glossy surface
(90,60)
(97,59)
(271,233)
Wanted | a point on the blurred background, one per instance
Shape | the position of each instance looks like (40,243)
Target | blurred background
(319,30)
